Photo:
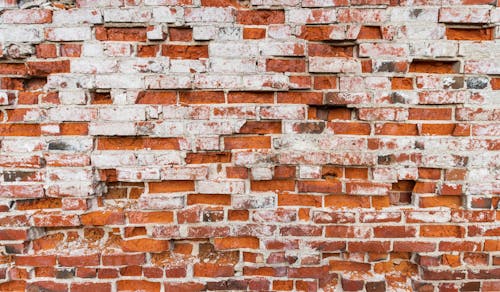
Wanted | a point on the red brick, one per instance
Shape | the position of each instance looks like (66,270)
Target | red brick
(370,32)
(254,33)
(70,50)
(236,243)
(260,17)
(208,199)
(300,97)
(181,34)
(123,259)
(430,113)
(201,97)
(129,34)
(470,34)
(213,270)
(184,51)
(250,97)
(438,67)
(136,143)
(396,129)
(157,97)
(146,51)
(171,186)
(145,245)
(47,68)
(46,51)
(282,65)
(78,261)
(138,285)
(272,185)
(102,218)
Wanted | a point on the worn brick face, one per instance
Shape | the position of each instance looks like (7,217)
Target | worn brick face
(262,145)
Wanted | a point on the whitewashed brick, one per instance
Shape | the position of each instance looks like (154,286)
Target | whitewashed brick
(77,33)
(209,14)
(464,14)
(167,81)
(333,65)
(165,14)
(126,15)
(75,16)
(113,128)
(93,65)
(119,81)
(220,187)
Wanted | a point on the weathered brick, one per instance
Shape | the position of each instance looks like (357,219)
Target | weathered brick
(145,140)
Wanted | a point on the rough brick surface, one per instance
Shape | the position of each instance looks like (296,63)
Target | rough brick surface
(306,145)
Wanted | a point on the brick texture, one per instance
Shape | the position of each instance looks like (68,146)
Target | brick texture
(292,145)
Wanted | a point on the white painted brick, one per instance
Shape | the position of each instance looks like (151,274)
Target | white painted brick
(262,173)
(333,65)
(92,49)
(209,14)
(383,50)
(77,33)
(265,82)
(298,15)
(144,65)
(162,159)
(156,33)
(119,81)
(75,16)
(479,50)
(217,81)
(486,66)
(288,112)
(20,33)
(93,65)
(188,66)
(407,14)
(422,32)
(72,113)
(233,65)
(113,128)
(168,129)
(212,127)
(282,48)
(167,81)
(117,49)
(310,171)
(233,49)
(204,33)
(108,159)
(137,174)
(165,14)
(126,15)
(72,97)
(184,173)
(136,113)
(279,32)
(434,49)
(220,187)
(229,33)
(69,174)
(158,202)
(464,14)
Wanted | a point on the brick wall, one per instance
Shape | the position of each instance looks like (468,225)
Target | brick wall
(183,145)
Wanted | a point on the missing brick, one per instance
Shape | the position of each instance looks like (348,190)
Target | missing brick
(330,112)
(401,192)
